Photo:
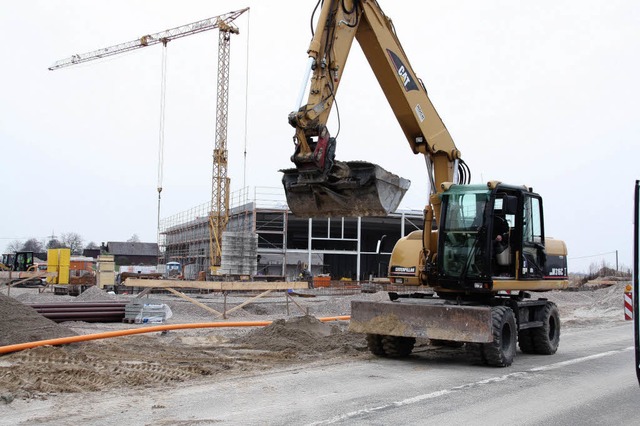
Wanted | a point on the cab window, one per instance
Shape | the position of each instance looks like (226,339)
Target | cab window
(532,221)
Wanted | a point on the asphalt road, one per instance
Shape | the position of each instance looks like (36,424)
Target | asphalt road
(590,381)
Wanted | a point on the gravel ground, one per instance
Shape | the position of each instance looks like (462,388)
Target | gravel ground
(184,356)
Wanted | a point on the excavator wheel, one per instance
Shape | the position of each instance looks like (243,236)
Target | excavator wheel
(397,347)
(446,343)
(546,338)
(502,350)
(525,341)
(475,353)
(374,343)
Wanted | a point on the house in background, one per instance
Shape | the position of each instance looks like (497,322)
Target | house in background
(139,254)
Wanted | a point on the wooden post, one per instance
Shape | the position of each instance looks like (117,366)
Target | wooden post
(304,311)
(235,308)
(195,302)
(224,306)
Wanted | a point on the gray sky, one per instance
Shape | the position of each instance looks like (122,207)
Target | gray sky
(542,93)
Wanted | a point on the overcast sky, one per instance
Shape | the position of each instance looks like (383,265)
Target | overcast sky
(544,93)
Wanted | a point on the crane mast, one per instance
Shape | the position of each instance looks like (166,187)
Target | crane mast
(219,214)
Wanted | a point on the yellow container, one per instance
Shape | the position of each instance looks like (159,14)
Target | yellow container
(59,260)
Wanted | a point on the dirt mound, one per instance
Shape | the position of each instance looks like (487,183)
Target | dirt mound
(305,335)
(166,359)
(20,323)
(36,297)
(590,306)
(94,294)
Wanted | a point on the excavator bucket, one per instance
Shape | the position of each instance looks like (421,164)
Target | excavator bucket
(351,189)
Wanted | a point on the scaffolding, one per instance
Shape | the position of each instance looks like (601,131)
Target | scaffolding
(185,236)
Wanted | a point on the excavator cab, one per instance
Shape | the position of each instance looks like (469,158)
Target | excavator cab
(494,234)
(463,254)
(23,261)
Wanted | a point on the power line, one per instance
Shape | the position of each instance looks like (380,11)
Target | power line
(593,255)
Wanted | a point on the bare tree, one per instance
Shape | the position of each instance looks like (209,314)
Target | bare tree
(32,245)
(54,243)
(134,239)
(73,241)
(14,246)
(92,246)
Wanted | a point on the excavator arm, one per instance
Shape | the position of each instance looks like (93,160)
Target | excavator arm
(322,186)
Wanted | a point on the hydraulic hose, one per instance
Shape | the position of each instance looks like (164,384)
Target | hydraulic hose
(108,334)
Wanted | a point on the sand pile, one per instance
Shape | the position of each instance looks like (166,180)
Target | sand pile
(28,297)
(94,294)
(20,323)
(304,335)
(591,306)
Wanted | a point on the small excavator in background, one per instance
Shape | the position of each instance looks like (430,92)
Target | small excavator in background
(24,261)
(483,248)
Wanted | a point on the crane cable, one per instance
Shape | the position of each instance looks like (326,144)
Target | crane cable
(246,104)
(163,90)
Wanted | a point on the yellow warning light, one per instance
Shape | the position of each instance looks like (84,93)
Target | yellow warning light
(628,288)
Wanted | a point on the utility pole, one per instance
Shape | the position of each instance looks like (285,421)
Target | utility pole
(636,272)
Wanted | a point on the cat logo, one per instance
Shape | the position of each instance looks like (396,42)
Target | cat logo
(403,72)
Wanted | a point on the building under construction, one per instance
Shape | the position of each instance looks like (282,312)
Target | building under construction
(264,240)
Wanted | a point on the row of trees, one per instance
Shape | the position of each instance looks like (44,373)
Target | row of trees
(604,269)
(70,240)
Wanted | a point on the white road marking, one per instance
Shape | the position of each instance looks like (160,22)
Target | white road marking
(578,360)
(437,394)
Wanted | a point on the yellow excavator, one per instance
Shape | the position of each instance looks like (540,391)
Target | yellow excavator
(483,249)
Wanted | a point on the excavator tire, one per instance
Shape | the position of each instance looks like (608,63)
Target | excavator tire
(546,338)
(475,353)
(525,341)
(446,343)
(374,343)
(397,347)
(502,350)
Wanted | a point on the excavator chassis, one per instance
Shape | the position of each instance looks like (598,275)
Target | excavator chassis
(350,189)
(431,319)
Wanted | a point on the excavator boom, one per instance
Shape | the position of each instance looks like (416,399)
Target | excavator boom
(322,186)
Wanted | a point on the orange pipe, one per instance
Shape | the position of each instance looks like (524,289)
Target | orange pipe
(108,334)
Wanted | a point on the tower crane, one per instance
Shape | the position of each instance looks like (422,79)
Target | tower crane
(219,214)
